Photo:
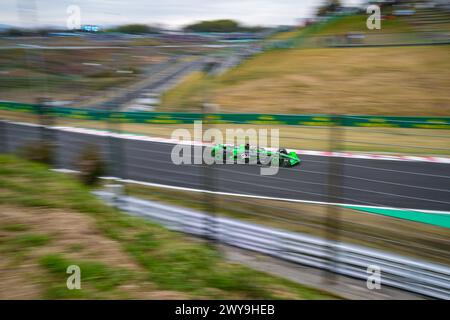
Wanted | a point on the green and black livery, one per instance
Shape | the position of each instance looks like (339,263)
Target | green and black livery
(245,154)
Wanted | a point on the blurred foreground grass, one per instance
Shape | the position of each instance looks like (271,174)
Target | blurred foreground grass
(50,221)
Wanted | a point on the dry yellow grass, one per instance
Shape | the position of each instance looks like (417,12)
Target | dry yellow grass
(391,81)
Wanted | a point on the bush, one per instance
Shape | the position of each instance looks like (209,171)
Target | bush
(222,25)
(136,29)
(41,151)
(90,165)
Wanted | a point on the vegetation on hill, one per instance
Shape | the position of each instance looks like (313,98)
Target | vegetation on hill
(224,25)
(329,7)
(357,23)
(348,81)
(135,29)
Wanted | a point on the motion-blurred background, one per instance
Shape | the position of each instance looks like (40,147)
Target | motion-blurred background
(96,88)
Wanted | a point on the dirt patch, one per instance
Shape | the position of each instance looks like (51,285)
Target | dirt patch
(72,233)
(76,237)
(16,280)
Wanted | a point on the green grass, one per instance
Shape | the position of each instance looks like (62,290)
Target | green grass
(285,35)
(191,88)
(338,26)
(15,227)
(25,241)
(18,246)
(169,260)
(97,278)
(184,268)
(30,240)
(357,23)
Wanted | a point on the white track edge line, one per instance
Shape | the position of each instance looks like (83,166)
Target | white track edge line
(431,159)
(241,195)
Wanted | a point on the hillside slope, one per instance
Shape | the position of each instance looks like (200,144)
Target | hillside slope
(391,81)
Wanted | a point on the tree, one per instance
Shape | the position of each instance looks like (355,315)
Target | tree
(14,32)
(223,25)
(136,29)
(328,7)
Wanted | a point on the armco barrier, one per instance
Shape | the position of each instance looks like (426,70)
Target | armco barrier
(233,118)
(405,273)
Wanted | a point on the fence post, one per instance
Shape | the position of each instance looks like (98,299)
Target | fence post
(46,120)
(208,170)
(4,136)
(209,184)
(334,192)
(116,158)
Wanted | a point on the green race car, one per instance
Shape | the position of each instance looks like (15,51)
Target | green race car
(253,155)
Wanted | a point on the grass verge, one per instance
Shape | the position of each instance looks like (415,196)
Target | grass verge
(120,256)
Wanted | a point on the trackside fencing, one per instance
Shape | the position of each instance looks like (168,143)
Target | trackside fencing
(416,276)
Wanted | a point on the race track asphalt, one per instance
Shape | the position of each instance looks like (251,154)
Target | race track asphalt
(400,184)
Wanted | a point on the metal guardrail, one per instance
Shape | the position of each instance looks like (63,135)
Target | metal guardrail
(412,275)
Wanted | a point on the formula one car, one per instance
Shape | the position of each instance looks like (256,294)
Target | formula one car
(253,155)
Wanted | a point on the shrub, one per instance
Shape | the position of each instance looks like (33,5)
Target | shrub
(90,165)
(41,151)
